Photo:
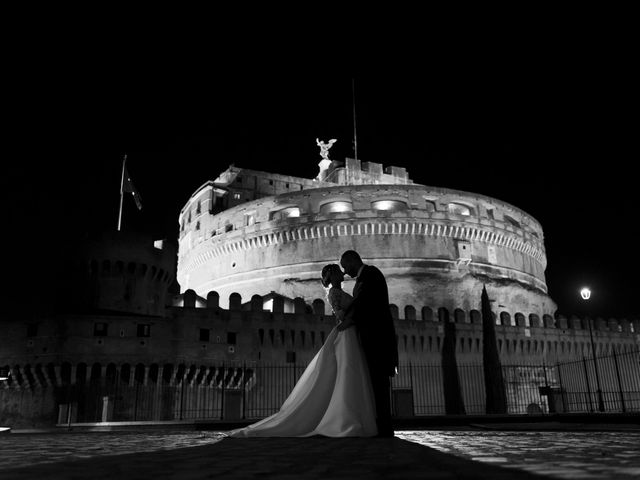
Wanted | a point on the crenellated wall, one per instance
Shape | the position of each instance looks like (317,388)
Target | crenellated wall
(210,335)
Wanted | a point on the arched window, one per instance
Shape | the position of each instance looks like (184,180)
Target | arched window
(394,311)
(459,315)
(476,318)
(511,221)
(336,207)
(430,206)
(459,209)
(389,205)
(288,212)
(505,318)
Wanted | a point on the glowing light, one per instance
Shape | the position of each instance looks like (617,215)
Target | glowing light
(388,205)
(336,207)
(585,293)
(292,212)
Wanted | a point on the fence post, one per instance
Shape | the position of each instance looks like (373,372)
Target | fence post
(564,403)
(224,374)
(586,376)
(615,362)
(182,397)
(244,390)
(115,395)
(135,404)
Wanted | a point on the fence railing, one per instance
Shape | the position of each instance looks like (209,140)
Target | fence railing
(603,384)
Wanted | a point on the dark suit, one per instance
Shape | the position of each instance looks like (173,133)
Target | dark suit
(372,316)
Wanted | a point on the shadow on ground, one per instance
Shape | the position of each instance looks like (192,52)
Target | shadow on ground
(310,458)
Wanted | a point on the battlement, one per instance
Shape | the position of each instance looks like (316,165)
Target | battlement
(409,313)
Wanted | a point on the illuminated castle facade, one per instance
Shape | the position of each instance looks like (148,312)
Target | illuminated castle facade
(253,232)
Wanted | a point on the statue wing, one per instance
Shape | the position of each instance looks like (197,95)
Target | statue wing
(332,141)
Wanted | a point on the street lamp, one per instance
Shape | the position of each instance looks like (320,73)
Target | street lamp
(585,293)
(4,376)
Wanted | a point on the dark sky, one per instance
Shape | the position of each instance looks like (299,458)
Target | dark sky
(548,126)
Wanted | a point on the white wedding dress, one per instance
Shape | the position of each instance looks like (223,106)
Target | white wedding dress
(333,397)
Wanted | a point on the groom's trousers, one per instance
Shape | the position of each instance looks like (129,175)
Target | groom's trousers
(382,394)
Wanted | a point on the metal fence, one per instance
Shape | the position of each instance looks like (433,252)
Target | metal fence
(252,391)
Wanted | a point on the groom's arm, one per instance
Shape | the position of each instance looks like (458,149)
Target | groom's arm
(359,303)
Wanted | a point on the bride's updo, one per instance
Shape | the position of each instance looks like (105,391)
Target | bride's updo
(326,274)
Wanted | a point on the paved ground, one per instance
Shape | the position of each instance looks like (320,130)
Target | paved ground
(560,454)
(285,458)
(445,453)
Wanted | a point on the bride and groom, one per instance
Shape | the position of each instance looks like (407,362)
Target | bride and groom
(345,389)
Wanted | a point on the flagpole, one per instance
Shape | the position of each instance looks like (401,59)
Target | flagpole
(355,136)
(121,192)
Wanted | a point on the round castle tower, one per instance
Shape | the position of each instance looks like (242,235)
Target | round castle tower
(121,271)
(254,232)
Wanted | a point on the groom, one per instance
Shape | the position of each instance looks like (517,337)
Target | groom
(372,317)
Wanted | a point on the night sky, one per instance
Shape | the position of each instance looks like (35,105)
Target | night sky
(546,126)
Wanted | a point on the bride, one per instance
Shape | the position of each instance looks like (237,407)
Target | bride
(333,397)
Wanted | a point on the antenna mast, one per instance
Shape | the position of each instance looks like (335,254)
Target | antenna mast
(355,135)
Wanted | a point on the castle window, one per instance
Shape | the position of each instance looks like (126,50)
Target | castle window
(289,212)
(198,225)
(228,227)
(459,209)
(198,207)
(286,185)
(32,330)
(270,182)
(511,221)
(430,206)
(236,196)
(336,207)
(239,179)
(249,220)
(291,357)
(388,205)
(144,330)
(231,338)
(261,335)
(490,213)
(464,250)
(100,329)
(204,334)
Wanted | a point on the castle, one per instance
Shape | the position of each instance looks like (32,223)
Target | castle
(251,246)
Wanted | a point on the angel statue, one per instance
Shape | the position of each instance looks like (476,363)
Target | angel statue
(324,148)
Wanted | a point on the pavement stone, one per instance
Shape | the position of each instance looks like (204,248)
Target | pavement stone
(452,453)
(275,458)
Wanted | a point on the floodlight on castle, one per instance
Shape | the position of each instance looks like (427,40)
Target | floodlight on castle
(254,232)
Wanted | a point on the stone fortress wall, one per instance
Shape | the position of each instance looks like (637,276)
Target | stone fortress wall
(433,244)
(201,335)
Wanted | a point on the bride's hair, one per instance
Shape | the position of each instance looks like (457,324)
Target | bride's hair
(326,274)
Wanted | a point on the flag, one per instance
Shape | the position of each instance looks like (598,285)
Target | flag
(127,187)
